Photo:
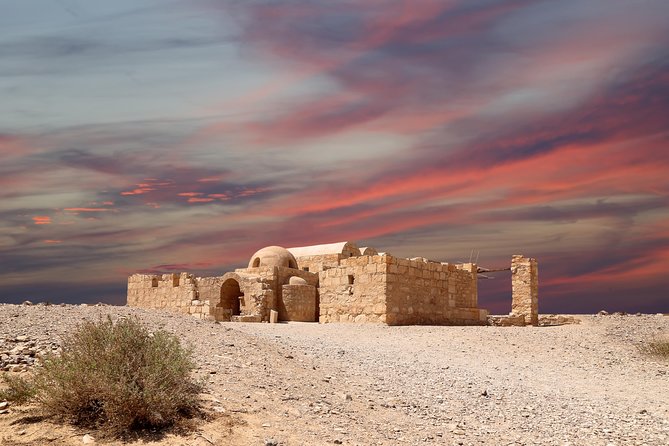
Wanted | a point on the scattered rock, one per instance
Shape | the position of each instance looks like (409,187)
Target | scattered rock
(88,439)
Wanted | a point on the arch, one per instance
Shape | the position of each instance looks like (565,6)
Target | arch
(256,262)
(230,296)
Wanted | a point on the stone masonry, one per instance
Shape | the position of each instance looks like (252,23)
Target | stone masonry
(525,289)
(337,283)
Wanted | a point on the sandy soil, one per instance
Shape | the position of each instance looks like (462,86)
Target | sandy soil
(311,384)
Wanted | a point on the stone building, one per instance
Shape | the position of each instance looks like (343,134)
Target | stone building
(336,283)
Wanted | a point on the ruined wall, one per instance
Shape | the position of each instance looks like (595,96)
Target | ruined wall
(354,292)
(173,292)
(525,288)
(426,292)
(298,303)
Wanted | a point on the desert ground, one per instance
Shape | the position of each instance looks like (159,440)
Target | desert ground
(313,384)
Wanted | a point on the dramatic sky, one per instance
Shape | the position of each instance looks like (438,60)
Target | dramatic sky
(172,135)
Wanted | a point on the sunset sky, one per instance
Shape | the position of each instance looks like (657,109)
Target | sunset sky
(162,135)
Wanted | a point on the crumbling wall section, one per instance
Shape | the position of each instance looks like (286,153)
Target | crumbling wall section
(525,289)
(173,292)
(355,291)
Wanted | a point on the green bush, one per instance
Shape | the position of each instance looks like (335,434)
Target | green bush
(118,377)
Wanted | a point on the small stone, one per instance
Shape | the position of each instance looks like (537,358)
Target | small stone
(27,302)
(346,397)
(21,338)
(88,439)
(4,411)
(337,441)
(266,425)
(4,405)
(271,442)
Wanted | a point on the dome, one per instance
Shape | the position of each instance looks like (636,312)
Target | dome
(297,281)
(273,256)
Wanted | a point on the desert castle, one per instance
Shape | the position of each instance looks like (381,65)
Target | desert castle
(337,282)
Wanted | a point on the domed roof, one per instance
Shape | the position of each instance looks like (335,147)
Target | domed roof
(273,256)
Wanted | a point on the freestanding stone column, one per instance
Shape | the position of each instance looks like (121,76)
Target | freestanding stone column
(525,289)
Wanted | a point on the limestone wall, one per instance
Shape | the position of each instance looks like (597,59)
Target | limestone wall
(317,263)
(525,288)
(354,292)
(298,303)
(173,292)
(426,292)
(209,289)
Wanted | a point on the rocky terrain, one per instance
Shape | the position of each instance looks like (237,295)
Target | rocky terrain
(311,384)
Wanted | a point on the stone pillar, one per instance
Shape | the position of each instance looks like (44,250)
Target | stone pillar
(525,289)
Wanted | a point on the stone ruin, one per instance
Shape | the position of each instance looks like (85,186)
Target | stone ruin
(339,282)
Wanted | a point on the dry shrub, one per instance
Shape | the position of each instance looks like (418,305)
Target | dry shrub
(657,348)
(18,390)
(119,378)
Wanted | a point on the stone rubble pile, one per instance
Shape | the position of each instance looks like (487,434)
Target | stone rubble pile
(20,353)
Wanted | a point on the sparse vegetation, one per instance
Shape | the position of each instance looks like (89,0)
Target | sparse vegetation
(117,377)
(18,390)
(657,348)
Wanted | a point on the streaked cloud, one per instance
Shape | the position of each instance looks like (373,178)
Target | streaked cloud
(153,136)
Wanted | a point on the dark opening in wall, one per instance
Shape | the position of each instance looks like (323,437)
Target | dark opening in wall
(154,282)
(306,268)
(256,262)
(351,279)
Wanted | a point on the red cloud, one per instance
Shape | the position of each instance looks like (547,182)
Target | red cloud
(41,220)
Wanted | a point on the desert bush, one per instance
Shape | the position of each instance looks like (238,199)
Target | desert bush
(657,348)
(18,390)
(118,377)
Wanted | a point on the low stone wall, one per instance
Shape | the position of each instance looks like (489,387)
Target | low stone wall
(173,292)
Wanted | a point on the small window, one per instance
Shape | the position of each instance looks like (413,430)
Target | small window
(154,282)
(306,268)
(351,279)
(256,262)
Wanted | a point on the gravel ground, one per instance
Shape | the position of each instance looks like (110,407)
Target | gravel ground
(301,383)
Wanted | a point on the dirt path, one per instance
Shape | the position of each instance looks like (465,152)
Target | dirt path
(299,383)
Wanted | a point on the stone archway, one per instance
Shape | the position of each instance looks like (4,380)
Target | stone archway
(230,297)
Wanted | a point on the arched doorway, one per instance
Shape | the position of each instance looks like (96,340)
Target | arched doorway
(230,296)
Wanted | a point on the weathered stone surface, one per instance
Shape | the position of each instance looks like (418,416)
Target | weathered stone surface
(525,289)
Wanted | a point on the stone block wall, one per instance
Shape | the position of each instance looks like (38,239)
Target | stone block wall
(354,292)
(209,289)
(318,263)
(173,292)
(425,292)
(298,303)
(525,289)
